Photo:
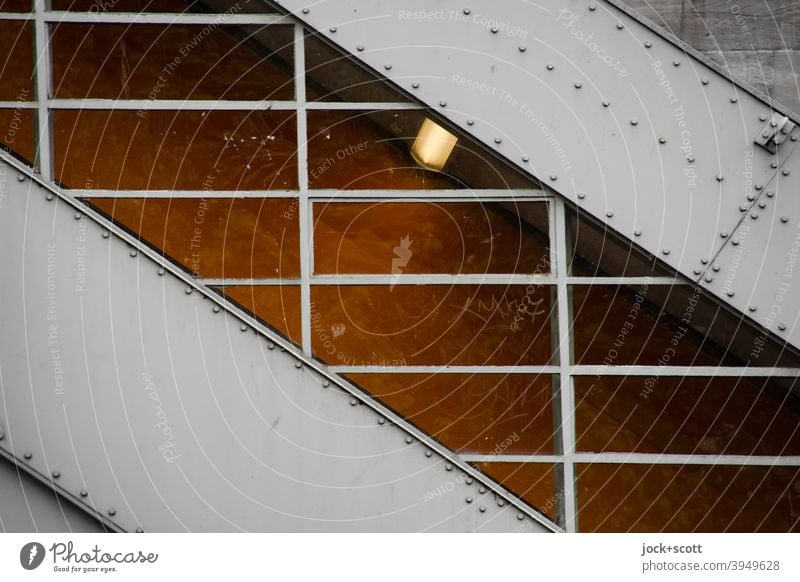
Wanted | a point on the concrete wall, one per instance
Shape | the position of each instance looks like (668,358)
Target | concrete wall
(758,41)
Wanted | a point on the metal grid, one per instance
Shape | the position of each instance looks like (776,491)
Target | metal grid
(567,457)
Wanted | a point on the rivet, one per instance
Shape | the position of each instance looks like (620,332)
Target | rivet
(759,187)
(298,364)
(550,66)
(734,99)
(634,122)
(409,440)
(743,208)
(448,467)
(665,251)
(28,455)
(785,172)
(482,509)
(305,11)
(723,234)
(520,516)
(648,44)
(754,215)
(770,194)
(750,197)
(609,214)
(581,195)
(709,278)
(353,402)
(782,326)
(20,178)
(794,137)
(333,29)
(763,117)
(553,177)
(105,234)
(160,272)
(784,219)
(139,530)
(704,81)
(360,48)
(188,290)
(735,242)
(729,293)
(215,309)
(387,66)
(243,327)
(133,252)
(773,123)
(592,7)
(500,503)
(84,493)
(77,216)
(662,140)
(522,49)
(696,271)
(467,11)
(606,103)
(469,500)
(428,453)
(637,233)
(381,420)
(498,140)
(112,511)
(704,261)
(762,205)
(578,85)
(442,103)
(773,165)
(690,159)
(415,85)
(526,159)
(720,177)
(676,63)
(494,30)
(469,481)
(620,26)
(481,489)
(764,134)
(752,308)
(325,383)
(270,346)
(470,122)
(49,196)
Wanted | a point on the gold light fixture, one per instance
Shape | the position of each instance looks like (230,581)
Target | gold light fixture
(433,146)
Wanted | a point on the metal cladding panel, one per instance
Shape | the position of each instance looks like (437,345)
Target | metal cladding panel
(157,410)
(610,114)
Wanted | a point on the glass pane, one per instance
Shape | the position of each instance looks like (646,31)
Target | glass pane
(277,306)
(16,63)
(481,413)
(432,324)
(688,498)
(169,150)
(532,482)
(17,127)
(216,237)
(133,5)
(599,252)
(430,237)
(331,76)
(620,326)
(733,416)
(16,5)
(123,61)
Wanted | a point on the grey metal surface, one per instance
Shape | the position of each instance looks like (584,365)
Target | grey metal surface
(616,118)
(161,409)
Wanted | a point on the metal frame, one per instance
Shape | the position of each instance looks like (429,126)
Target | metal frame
(568,457)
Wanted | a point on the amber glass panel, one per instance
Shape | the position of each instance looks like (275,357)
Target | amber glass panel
(186,150)
(599,252)
(620,326)
(428,237)
(689,498)
(122,61)
(481,413)
(130,5)
(735,416)
(16,5)
(350,150)
(17,128)
(277,306)
(432,324)
(16,62)
(216,237)
(331,76)
(532,482)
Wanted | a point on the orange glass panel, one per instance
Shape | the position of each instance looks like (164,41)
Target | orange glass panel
(428,237)
(97,6)
(331,76)
(734,416)
(619,326)
(16,5)
(432,324)
(216,237)
(688,498)
(353,150)
(122,61)
(17,128)
(16,62)
(168,150)
(277,306)
(481,413)
(532,482)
